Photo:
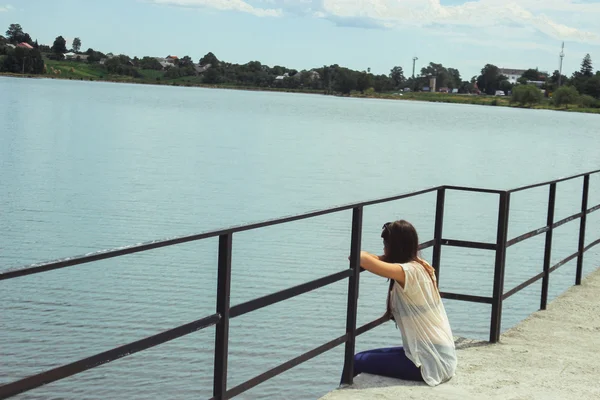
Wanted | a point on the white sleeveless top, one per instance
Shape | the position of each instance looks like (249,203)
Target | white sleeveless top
(421,316)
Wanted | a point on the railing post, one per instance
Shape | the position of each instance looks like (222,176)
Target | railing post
(584,206)
(437,235)
(222,331)
(548,246)
(496,320)
(348,371)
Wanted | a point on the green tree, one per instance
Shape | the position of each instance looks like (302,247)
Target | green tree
(344,81)
(20,60)
(591,87)
(587,69)
(122,65)
(439,71)
(490,78)
(94,56)
(532,75)
(565,95)
(76,45)
(150,63)
(364,82)
(397,77)
(209,58)
(186,62)
(15,34)
(466,87)
(277,70)
(383,83)
(59,46)
(526,95)
(212,76)
(454,78)
(588,101)
(505,86)
(554,79)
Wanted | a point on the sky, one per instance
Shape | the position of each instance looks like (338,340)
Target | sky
(304,34)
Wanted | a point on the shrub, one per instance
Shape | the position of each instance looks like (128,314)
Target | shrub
(588,101)
(526,95)
(565,95)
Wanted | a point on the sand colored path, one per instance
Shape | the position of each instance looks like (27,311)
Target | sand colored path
(553,354)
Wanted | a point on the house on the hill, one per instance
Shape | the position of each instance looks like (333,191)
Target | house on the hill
(200,69)
(513,75)
(25,46)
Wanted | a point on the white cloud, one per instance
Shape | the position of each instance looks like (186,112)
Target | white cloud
(545,16)
(6,8)
(224,5)
(480,14)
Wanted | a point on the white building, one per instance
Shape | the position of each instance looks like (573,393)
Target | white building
(512,74)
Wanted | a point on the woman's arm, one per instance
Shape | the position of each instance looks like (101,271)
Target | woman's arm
(374,264)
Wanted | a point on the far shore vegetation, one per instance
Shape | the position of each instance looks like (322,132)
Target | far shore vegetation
(21,56)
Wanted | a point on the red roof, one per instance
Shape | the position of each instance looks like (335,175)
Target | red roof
(25,45)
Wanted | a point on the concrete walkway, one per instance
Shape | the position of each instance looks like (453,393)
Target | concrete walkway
(553,354)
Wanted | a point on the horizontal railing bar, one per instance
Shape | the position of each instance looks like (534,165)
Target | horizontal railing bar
(591,210)
(284,367)
(466,297)
(426,245)
(55,374)
(371,325)
(471,245)
(256,304)
(519,189)
(544,229)
(563,262)
(523,286)
(105,254)
(589,246)
(473,189)
(527,235)
(568,219)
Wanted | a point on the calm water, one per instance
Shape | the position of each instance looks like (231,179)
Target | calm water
(88,166)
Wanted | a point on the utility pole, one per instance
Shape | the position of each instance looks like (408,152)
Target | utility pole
(414,60)
(562,55)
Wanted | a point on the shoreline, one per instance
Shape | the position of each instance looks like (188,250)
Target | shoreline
(465,99)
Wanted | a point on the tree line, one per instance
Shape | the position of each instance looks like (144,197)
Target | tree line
(328,79)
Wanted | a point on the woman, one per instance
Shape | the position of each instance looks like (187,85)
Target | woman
(415,304)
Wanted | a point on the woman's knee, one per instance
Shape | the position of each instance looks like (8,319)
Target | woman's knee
(359,362)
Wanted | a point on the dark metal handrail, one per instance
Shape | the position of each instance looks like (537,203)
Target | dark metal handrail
(224,311)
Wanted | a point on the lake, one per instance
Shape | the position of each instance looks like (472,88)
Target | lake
(89,166)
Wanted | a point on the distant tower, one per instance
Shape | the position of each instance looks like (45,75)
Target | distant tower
(562,55)
(414,60)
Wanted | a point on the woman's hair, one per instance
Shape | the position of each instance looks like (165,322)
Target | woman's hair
(400,241)
(401,245)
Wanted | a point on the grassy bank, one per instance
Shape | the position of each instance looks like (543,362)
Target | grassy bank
(94,72)
(481,100)
(83,71)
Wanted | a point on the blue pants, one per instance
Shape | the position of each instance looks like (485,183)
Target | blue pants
(391,362)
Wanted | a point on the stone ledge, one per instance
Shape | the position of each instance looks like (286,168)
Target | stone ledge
(552,354)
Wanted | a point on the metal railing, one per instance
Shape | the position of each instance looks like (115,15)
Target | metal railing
(224,311)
